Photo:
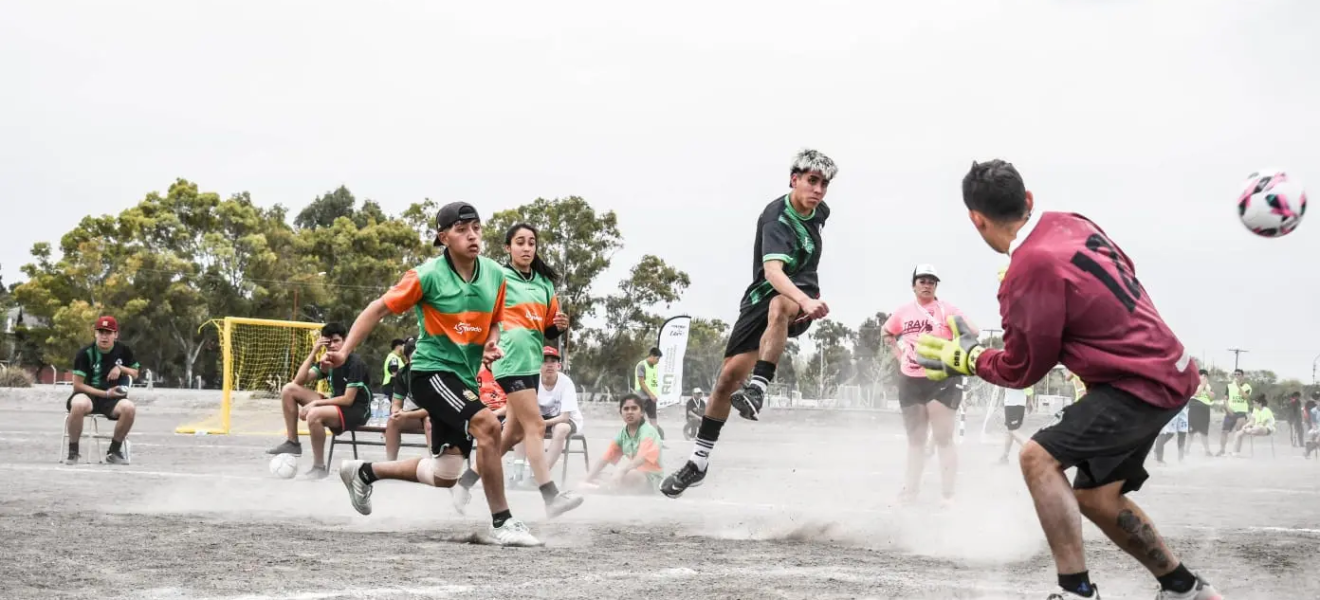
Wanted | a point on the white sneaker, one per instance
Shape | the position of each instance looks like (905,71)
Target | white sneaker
(514,533)
(1202,591)
(1066,595)
(359,492)
(460,496)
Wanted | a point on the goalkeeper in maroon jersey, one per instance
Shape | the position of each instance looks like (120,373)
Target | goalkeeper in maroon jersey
(1071,296)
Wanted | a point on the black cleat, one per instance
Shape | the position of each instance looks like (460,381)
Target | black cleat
(748,401)
(686,477)
(115,458)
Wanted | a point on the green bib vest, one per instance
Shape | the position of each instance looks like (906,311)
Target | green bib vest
(1237,401)
(652,377)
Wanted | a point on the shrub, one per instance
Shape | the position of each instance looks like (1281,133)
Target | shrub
(16,378)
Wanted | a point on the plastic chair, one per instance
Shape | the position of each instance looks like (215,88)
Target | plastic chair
(568,449)
(95,433)
(1252,442)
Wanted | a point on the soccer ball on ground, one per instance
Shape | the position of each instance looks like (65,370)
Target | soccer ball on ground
(284,466)
(1272,203)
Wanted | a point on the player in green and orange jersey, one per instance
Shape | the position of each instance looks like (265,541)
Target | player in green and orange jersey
(531,316)
(459,301)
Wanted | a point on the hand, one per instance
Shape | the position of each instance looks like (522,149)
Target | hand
(813,309)
(113,375)
(321,342)
(114,393)
(302,412)
(394,410)
(492,353)
(332,360)
(941,357)
(560,321)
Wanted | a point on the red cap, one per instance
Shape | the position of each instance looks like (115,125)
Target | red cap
(549,351)
(107,323)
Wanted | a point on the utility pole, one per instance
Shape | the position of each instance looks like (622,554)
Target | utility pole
(1237,352)
(993,333)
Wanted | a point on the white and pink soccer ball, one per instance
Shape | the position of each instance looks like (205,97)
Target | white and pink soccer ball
(1272,203)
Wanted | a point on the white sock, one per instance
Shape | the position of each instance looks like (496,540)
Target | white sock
(701,450)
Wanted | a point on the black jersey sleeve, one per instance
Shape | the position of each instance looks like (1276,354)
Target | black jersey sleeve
(82,364)
(778,243)
(356,375)
(126,355)
(400,384)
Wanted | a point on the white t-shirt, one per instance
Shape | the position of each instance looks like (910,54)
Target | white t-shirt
(561,399)
(1015,397)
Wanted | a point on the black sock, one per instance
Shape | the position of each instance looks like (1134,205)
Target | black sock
(73,448)
(500,517)
(707,435)
(1077,583)
(367,474)
(549,491)
(114,446)
(469,479)
(1179,580)
(763,373)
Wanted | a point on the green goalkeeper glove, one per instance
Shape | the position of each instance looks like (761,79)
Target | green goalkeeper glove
(941,357)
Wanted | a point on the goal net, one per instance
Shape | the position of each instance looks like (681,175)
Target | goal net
(258,357)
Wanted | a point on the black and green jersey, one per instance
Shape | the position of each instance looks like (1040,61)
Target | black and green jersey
(784,235)
(94,365)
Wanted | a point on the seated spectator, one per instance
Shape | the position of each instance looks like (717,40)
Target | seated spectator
(1262,423)
(101,373)
(696,408)
(557,397)
(405,416)
(635,452)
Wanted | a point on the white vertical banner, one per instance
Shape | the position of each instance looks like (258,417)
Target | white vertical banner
(672,343)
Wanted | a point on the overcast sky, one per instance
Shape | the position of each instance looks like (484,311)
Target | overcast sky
(683,117)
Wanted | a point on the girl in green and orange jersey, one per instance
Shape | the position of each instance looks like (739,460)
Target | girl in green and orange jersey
(531,317)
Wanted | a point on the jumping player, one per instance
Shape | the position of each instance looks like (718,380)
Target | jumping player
(100,372)
(781,303)
(928,406)
(1071,296)
(531,316)
(459,300)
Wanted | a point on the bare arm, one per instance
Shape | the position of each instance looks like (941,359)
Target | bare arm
(80,387)
(363,325)
(562,418)
(346,400)
(774,273)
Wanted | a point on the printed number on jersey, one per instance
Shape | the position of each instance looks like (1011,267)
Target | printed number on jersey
(1091,261)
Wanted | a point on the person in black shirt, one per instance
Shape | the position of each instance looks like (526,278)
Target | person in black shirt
(781,303)
(347,409)
(405,415)
(101,373)
(696,408)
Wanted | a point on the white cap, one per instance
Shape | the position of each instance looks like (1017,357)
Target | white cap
(696,390)
(925,270)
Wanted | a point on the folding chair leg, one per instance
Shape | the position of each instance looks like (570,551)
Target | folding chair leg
(64,442)
(353,437)
(330,456)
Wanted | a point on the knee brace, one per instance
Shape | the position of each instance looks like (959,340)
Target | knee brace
(432,471)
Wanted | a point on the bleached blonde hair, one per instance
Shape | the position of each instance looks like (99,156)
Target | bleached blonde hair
(810,160)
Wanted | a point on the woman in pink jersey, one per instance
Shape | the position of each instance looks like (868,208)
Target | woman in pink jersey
(925,403)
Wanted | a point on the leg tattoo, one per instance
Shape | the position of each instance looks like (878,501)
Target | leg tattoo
(1142,539)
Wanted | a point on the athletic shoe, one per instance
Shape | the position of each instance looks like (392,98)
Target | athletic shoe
(316,473)
(115,458)
(748,401)
(514,533)
(686,477)
(460,496)
(562,503)
(73,458)
(287,447)
(1202,591)
(359,492)
(1066,595)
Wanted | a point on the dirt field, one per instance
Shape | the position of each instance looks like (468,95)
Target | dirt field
(797,506)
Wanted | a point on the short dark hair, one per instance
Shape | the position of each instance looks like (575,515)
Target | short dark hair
(395,343)
(1205,372)
(1260,399)
(333,329)
(655,352)
(995,189)
(1239,372)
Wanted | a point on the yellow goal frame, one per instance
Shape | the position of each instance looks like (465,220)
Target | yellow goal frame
(226,329)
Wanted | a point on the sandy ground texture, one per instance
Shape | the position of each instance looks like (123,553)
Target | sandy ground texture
(800,505)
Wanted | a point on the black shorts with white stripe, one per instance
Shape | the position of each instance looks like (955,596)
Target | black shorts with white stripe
(450,404)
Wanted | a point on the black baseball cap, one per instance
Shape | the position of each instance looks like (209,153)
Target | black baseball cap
(454,212)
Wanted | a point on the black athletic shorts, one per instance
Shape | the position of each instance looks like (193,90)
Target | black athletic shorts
(518,383)
(1106,435)
(100,406)
(351,418)
(1230,420)
(750,326)
(450,404)
(1198,417)
(914,391)
(1013,416)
